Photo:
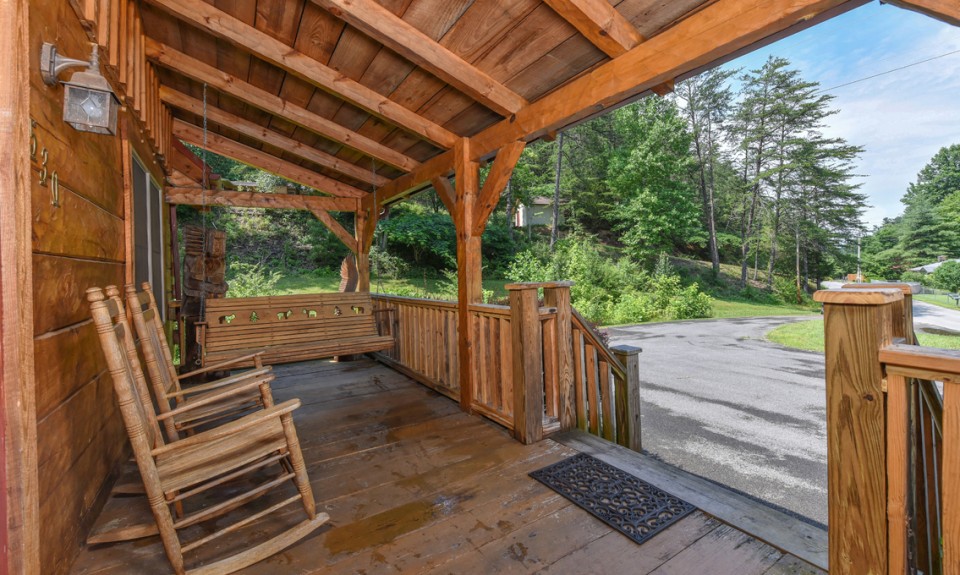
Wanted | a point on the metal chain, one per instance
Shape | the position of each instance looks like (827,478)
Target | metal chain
(373,169)
(203,206)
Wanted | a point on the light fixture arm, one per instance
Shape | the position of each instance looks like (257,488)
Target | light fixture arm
(51,63)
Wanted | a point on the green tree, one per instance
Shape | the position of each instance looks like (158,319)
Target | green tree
(947,276)
(659,209)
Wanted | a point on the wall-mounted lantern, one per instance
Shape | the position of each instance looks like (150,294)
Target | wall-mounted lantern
(89,104)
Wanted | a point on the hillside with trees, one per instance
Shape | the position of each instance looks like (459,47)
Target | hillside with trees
(928,229)
(732,168)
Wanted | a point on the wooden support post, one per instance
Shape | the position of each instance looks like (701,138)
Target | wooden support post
(857,324)
(527,363)
(364,227)
(469,278)
(558,296)
(628,398)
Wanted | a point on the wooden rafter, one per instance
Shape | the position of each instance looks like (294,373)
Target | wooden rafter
(495,183)
(264,134)
(600,23)
(273,104)
(276,52)
(719,29)
(186,162)
(338,230)
(232,149)
(711,34)
(385,27)
(946,10)
(198,197)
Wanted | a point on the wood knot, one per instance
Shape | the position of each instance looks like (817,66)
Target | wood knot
(868,397)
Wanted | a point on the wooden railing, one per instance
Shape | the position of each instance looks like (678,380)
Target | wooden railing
(893,440)
(536,367)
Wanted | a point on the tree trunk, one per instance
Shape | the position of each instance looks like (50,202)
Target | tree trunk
(799,293)
(555,231)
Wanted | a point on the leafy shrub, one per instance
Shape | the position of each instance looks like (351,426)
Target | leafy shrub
(690,303)
(917,277)
(947,276)
(786,290)
(632,307)
(251,280)
(385,265)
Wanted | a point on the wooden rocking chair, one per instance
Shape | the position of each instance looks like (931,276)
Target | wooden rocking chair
(174,472)
(166,383)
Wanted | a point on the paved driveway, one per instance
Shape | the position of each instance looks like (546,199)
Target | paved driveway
(720,401)
(929,315)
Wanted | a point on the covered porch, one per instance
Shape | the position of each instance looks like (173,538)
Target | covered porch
(366,103)
(415,485)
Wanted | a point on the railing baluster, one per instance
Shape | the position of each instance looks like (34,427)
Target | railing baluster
(897,470)
(592,389)
(580,395)
(951,479)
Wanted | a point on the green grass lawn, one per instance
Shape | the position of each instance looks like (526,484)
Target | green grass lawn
(940,300)
(742,308)
(808,335)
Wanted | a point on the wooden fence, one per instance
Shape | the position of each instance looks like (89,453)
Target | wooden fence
(894,439)
(536,367)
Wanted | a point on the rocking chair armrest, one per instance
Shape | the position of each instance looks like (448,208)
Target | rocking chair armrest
(219,365)
(226,381)
(216,396)
(232,428)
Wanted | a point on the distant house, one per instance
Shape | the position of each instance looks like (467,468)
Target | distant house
(540,213)
(930,268)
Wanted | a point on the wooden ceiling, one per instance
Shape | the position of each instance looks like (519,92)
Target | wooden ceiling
(349,94)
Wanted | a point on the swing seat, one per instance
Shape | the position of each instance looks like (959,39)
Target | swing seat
(290,328)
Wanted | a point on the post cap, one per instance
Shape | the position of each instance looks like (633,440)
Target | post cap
(625,349)
(878,296)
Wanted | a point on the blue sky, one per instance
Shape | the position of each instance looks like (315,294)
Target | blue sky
(901,118)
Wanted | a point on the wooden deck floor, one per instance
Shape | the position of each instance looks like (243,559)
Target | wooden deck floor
(413,485)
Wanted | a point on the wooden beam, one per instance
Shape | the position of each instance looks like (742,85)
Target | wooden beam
(719,29)
(264,134)
(271,103)
(198,197)
(945,10)
(179,179)
(663,89)
(445,192)
(600,23)
(495,183)
(19,484)
(232,149)
(393,32)
(185,161)
(338,230)
(264,46)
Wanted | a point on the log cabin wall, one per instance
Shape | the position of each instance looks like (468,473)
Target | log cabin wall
(85,241)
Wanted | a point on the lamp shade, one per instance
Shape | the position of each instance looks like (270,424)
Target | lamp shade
(89,104)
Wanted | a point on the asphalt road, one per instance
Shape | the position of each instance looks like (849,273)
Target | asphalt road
(720,401)
(929,315)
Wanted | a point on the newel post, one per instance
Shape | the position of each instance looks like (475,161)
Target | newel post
(558,296)
(857,324)
(628,397)
(527,362)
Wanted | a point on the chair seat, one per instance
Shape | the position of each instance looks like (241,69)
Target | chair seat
(202,461)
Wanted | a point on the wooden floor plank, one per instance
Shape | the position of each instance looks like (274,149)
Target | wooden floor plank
(414,485)
(723,551)
(612,553)
(775,527)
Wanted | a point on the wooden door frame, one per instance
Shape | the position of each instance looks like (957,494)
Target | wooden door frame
(19,499)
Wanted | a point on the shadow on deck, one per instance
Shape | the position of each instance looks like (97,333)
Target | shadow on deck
(414,485)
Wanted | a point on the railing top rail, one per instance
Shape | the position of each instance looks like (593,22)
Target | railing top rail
(416,300)
(535,285)
(864,296)
(945,362)
(489,308)
(602,349)
(907,289)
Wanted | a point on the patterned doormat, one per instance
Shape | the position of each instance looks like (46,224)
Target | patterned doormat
(629,505)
